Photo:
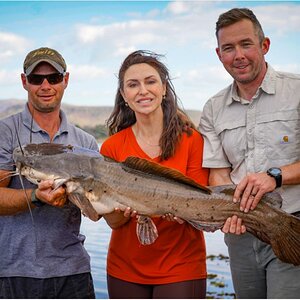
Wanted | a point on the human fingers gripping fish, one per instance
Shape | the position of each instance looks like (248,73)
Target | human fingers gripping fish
(98,186)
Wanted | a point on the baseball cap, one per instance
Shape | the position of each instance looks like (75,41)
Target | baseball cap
(44,54)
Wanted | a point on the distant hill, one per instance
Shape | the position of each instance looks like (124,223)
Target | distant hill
(79,115)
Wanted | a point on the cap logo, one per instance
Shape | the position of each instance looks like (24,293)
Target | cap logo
(43,52)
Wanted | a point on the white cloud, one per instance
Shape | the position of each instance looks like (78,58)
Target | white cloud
(180,23)
(11,45)
(84,72)
(291,68)
(184,31)
(153,13)
(178,8)
(279,19)
(10,77)
(123,51)
(134,31)
(144,33)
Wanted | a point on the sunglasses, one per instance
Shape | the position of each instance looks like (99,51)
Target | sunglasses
(38,79)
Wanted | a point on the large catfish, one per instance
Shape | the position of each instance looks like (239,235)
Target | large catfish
(97,186)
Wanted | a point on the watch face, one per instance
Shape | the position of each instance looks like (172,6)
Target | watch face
(275,171)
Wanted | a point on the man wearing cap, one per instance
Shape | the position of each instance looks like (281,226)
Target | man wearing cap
(42,253)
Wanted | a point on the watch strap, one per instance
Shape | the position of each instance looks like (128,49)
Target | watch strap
(278,178)
(278,181)
(34,200)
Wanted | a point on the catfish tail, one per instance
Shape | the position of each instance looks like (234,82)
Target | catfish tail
(286,245)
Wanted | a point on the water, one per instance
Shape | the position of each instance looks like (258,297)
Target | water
(97,239)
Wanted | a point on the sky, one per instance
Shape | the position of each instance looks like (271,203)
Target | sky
(94,37)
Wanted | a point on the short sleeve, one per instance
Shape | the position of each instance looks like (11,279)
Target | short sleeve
(213,154)
(6,147)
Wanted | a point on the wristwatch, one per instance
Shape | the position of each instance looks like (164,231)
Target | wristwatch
(277,175)
(37,202)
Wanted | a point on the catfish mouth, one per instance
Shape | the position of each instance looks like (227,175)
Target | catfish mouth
(36,176)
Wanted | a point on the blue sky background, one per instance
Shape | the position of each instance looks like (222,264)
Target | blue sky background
(95,36)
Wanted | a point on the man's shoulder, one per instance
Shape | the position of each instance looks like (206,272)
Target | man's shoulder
(11,120)
(220,97)
(78,135)
(222,93)
(287,75)
(81,132)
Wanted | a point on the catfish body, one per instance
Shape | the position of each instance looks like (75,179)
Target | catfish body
(98,186)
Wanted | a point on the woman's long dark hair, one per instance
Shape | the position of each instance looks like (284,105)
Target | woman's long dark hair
(175,120)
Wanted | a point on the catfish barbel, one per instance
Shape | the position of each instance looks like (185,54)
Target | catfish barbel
(98,186)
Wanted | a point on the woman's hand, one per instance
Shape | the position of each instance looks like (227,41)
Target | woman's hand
(170,217)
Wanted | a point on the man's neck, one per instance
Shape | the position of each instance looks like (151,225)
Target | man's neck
(50,122)
(248,90)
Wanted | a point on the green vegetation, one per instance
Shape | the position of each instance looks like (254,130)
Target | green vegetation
(218,257)
(216,283)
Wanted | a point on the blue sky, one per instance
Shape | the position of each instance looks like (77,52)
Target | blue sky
(95,36)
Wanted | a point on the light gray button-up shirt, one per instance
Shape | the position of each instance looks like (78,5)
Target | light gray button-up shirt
(252,136)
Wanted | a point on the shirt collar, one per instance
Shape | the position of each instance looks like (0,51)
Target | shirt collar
(27,120)
(268,86)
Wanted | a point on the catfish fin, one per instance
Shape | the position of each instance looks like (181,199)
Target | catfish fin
(45,149)
(146,230)
(139,164)
(208,227)
(84,205)
(53,149)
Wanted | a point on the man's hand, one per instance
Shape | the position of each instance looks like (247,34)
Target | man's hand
(128,212)
(49,195)
(251,189)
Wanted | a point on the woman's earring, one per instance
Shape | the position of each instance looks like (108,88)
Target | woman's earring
(164,97)
(126,104)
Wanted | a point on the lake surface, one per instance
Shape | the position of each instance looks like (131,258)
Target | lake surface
(219,284)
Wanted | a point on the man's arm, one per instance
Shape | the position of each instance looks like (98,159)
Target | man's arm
(13,201)
(291,173)
(219,176)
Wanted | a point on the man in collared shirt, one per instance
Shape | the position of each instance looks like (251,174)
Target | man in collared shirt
(42,253)
(252,138)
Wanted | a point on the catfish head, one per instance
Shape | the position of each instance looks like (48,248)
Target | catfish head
(66,165)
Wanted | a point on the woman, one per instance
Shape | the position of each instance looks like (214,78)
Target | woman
(147,123)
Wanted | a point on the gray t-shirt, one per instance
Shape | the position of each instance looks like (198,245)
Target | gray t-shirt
(48,244)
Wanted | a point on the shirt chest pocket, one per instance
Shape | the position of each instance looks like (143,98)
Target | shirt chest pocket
(233,138)
(281,135)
